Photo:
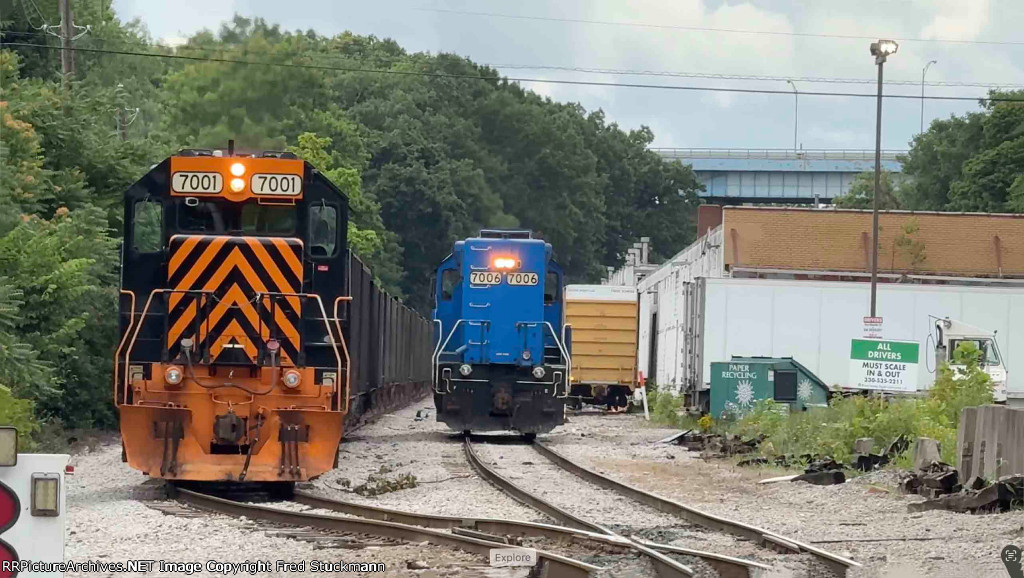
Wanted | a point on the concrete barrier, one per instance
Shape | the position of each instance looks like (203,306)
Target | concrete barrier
(990,442)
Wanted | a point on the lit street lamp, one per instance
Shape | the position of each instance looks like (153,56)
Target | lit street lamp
(796,111)
(880,50)
(924,71)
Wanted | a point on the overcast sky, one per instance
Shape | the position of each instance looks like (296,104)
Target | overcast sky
(653,35)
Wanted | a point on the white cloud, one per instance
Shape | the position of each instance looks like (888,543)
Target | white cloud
(681,118)
(719,99)
(959,20)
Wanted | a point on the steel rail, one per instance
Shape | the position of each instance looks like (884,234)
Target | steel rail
(726,566)
(666,567)
(838,565)
(528,499)
(487,525)
(551,564)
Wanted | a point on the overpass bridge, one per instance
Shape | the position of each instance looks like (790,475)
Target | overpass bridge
(765,176)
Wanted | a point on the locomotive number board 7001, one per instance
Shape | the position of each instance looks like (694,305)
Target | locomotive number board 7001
(495,278)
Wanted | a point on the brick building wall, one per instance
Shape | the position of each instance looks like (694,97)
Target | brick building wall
(957,244)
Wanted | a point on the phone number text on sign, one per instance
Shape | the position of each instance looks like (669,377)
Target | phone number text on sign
(888,365)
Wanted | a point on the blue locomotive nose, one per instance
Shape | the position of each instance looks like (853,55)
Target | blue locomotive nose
(505,291)
(501,359)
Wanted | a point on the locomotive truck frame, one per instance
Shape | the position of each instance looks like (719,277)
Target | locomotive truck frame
(239,300)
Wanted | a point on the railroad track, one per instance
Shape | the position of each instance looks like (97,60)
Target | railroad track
(838,565)
(666,567)
(551,564)
(475,535)
(559,546)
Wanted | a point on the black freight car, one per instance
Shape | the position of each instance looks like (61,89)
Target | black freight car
(389,344)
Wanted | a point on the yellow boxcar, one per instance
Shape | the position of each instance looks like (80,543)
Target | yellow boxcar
(604,337)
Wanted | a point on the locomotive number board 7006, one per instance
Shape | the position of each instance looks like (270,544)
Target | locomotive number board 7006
(495,278)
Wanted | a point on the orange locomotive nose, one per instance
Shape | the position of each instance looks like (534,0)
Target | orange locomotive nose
(234,361)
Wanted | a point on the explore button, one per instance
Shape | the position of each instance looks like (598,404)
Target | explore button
(513,557)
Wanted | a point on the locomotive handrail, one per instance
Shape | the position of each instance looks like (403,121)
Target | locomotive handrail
(565,355)
(124,339)
(327,326)
(149,301)
(435,360)
(348,359)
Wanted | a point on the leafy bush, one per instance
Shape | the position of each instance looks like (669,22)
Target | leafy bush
(665,406)
(19,413)
(833,430)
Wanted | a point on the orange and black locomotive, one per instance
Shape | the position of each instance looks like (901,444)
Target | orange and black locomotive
(239,300)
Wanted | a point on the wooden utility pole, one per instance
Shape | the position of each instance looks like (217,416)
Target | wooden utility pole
(67,32)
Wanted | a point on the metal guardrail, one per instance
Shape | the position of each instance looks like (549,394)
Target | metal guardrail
(777,154)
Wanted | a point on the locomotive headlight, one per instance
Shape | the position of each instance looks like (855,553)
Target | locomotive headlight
(238,169)
(538,372)
(237,185)
(526,354)
(504,263)
(292,379)
(465,369)
(173,375)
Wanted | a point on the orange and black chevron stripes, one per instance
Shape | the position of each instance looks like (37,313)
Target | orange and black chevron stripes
(224,296)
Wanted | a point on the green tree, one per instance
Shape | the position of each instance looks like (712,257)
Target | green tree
(861,194)
(936,158)
(907,248)
(20,367)
(969,163)
(366,233)
(64,270)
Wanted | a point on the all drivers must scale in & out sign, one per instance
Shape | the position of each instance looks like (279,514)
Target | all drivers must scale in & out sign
(889,365)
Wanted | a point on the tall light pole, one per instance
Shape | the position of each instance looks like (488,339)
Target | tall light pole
(796,111)
(924,71)
(880,50)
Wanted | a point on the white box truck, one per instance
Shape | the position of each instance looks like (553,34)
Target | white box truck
(684,326)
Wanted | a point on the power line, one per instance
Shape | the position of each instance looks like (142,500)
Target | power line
(759,77)
(710,29)
(224,48)
(509,79)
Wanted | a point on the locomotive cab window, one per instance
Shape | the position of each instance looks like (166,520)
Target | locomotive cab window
(268,219)
(323,230)
(551,285)
(147,226)
(449,281)
(221,217)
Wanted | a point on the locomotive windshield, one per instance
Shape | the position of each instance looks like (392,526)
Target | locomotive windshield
(223,217)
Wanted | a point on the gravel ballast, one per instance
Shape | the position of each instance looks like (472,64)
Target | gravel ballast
(937,543)
(106,523)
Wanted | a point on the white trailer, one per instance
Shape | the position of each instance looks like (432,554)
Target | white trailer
(687,324)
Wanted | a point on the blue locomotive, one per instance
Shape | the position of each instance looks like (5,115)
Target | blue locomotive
(501,359)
